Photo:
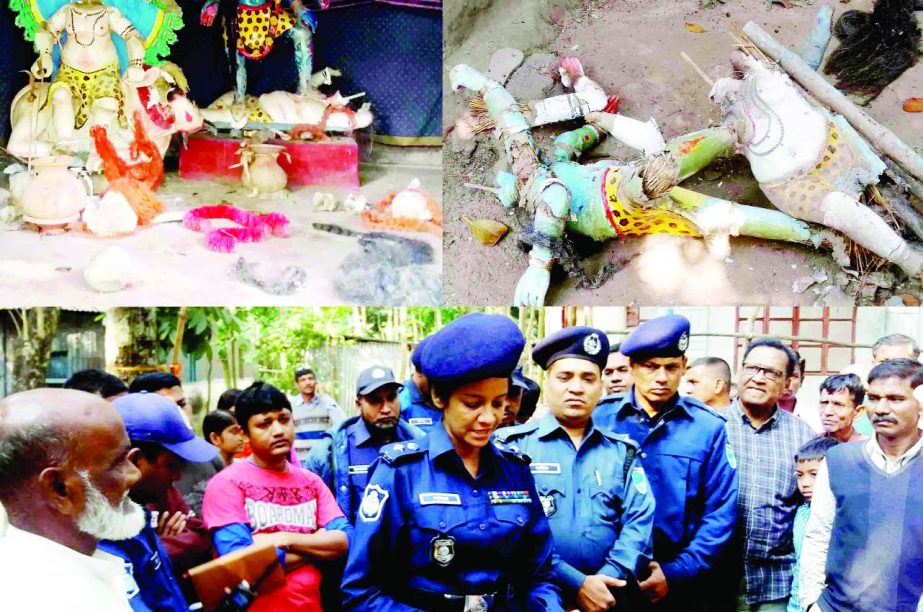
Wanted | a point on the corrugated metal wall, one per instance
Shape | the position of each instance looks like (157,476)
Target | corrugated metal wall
(338,367)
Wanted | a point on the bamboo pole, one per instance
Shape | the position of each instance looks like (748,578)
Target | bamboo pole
(879,136)
(178,342)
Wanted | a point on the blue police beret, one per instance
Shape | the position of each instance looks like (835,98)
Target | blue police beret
(661,337)
(471,348)
(581,342)
(417,355)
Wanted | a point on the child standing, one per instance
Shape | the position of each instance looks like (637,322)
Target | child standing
(807,461)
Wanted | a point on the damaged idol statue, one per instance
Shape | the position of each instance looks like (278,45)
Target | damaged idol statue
(608,198)
(257,25)
(104,59)
(809,162)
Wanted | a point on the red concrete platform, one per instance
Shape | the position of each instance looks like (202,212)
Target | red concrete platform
(334,162)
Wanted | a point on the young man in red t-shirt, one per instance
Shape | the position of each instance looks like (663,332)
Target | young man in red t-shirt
(266,499)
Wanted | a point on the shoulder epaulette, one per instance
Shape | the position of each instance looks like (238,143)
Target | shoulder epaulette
(619,437)
(516,431)
(399,453)
(511,450)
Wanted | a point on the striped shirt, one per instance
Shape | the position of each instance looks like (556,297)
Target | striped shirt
(767,499)
(312,420)
(801,526)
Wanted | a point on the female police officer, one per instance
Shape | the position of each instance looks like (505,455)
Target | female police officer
(451,522)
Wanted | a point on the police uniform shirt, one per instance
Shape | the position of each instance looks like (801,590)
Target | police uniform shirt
(363,451)
(414,408)
(426,529)
(596,497)
(692,472)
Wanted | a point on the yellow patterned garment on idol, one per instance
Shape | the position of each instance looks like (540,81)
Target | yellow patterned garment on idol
(259,27)
(87,87)
(629,220)
(802,195)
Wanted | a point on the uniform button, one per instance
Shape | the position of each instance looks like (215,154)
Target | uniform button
(482,527)
(643,455)
(475,492)
(519,520)
(442,524)
(344,488)
(579,491)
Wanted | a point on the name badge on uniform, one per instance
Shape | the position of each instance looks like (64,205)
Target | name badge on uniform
(443,550)
(420,421)
(358,469)
(442,499)
(499,498)
(545,468)
(548,504)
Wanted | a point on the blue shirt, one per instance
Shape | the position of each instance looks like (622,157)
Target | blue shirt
(342,459)
(427,528)
(601,514)
(801,526)
(693,475)
(154,588)
(414,408)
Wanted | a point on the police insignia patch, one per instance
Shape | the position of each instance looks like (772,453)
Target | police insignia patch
(443,550)
(548,504)
(729,453)
(591,344)
(639,480)
(683,342)
(373,502)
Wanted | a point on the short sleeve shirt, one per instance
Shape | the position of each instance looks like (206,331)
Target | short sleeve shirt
(294,501)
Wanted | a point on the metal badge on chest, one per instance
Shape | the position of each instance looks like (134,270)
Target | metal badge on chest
(443,548)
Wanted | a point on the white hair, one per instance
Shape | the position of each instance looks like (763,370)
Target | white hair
(106,521)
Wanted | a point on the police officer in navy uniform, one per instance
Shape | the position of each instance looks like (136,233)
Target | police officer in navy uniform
(343,456)
(452,522)
(593,488)
(684,451)
(416,404)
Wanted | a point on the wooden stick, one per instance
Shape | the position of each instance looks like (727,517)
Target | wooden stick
(878,136)
(698,70)
(180,330)
(482,188)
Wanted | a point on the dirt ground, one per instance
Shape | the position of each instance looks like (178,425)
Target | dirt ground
(172,266)
(632,47)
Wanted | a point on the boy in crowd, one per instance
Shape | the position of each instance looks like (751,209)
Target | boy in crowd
(265,499)
(807,462)
(221,429)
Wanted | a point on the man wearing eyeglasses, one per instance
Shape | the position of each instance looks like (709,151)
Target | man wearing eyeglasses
(683,448)
(764,440)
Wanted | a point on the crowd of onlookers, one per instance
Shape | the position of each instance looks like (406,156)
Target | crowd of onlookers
(702,490)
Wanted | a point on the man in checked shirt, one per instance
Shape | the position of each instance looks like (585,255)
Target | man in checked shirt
(764,440)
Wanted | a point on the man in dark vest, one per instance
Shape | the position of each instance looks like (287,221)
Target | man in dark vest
(863,549)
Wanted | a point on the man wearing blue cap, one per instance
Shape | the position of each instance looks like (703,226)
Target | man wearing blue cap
(343,456)
(416,404)
(161,443)
(593,489)
(684,450)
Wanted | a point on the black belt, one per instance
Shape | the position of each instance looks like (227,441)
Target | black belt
(449,602)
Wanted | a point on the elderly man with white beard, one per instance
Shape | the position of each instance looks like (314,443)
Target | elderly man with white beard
(64,481)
